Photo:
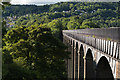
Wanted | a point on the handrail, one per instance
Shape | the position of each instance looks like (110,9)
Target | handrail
(107,33)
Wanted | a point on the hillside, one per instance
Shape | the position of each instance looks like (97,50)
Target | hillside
(102,14)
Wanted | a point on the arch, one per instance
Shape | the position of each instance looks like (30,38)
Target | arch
(73,59)
(76,61)
(90,67)
(71,41)
(81,63)
(103,69)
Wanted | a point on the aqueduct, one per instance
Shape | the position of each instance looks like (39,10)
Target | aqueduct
(95,53)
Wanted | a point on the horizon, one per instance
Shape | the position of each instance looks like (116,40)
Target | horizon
(42,2)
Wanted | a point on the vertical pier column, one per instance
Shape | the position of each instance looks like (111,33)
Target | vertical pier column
(74,62)
(118,63)
(118,69)
(84,68)
(72,46)
(78,64)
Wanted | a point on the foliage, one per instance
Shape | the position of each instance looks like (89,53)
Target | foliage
(102,14)
(88,24)
(56,28)
(35,49)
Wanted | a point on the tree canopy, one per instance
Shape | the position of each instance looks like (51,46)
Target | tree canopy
(37,50)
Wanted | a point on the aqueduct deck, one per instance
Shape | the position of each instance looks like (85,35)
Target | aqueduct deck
(95,53)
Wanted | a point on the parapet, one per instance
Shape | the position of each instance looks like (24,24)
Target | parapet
(106,33)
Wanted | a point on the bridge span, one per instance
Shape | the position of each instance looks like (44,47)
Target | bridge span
(95,53)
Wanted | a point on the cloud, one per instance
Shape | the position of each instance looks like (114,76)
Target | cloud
(34,1)
(29,1)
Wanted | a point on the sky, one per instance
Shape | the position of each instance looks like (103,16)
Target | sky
(30,1)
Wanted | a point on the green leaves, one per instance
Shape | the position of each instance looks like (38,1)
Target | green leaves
(36,49)
(88,24)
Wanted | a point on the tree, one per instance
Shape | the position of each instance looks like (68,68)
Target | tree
(36,49)
(56,28)
(74,23)
(88,24)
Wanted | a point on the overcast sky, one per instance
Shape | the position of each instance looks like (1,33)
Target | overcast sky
(29,1)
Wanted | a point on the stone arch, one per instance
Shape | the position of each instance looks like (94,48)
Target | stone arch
(81,62)
(90,67)
(71,41)
(76,61)
(103,70)
(73,59)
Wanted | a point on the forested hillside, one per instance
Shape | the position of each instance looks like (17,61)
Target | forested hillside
(32,35)
(102,14)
